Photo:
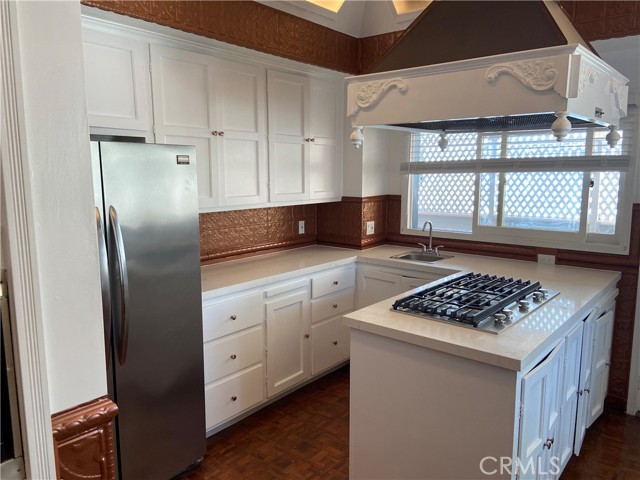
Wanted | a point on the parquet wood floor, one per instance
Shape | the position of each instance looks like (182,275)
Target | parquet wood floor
(306,436)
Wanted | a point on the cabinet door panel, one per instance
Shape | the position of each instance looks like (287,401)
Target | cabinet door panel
(570,386)
(184,96)
(289,167)
(330,344)
(323,168)
(585,383)
(206,187)
(323,109)
(540,413)
(240,114)
(288,104)
(117,82)
(373,286)
(288,333)
(603,332)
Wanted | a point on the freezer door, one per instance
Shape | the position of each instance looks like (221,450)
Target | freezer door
(150,203)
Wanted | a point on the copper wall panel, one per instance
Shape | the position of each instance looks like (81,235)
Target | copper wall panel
(345,223)
(83,441)
(600,20)
(240,232)
(248,24)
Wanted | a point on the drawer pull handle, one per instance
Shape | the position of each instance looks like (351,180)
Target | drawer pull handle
(335,282)
(335,305)
(233,356)
(234,398)
(335,342)
(233,317)
(306,335)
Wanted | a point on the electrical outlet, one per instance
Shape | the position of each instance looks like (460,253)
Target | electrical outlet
(370,227)
(547,259)
(301,227)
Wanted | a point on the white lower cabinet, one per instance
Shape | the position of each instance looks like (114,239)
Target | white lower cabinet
(375,284)
(288,338)
(233,334)
(233,395)
(330,344)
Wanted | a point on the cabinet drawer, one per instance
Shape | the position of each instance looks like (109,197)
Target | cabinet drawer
(332,282)
(330,344)
(232,396)
(231,316)
(230,354)
(332,305)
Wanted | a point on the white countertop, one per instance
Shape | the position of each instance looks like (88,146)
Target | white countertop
(514,349)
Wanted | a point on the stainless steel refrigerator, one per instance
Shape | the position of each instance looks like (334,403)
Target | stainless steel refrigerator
(147,217)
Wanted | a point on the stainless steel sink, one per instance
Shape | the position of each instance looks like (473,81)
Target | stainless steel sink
(421,257)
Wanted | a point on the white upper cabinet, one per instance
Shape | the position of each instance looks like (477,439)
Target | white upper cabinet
(117,83)
(324,148)
(289,140)
(219,107)
(304,153)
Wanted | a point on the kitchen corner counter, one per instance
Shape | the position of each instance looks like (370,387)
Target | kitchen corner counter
(516,349)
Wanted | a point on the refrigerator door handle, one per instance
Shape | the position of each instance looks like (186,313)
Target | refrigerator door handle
(104,284)
(120,262)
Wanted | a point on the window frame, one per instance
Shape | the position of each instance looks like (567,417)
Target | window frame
(617,243)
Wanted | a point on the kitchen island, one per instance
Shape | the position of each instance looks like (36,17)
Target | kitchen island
(434,400)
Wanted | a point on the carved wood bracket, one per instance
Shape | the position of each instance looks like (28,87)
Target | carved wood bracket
(370,94)
(83,441)
(537,75)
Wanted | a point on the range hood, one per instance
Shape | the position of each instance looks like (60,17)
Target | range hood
(489,66)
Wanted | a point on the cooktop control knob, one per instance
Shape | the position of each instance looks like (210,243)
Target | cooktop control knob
(523,306)
(508,313)
(544,292)
(538,297)
(500,318)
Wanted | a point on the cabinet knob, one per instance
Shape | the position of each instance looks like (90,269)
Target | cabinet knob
(548,443)
(233,356)
(335,305)
(587,390)
(335,282)
(312,139)
(607,364)
(335,342)
(214,133)
(234,398)
(221,134)
(579,392)
(233,317)
(306,335)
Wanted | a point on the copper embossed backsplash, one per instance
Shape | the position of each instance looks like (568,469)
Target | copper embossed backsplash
(237,232)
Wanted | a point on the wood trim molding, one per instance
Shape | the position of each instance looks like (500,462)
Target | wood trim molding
(28,333)
(84,441)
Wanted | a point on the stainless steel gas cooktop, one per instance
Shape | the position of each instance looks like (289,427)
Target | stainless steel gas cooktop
(486,302)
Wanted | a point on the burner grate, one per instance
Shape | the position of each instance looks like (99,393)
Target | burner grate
(470,299)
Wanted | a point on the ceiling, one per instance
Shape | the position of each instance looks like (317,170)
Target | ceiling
(357,18)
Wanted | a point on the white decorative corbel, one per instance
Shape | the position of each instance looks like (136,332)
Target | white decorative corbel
(357,137)
(537,75)
(371,93)
(588,76)
(620,92)
(561,126)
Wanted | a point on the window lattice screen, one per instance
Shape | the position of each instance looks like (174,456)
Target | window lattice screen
(446,193)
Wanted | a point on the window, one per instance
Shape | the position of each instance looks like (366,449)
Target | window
(523,187)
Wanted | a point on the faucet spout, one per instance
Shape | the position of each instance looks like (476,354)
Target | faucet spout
(430,249)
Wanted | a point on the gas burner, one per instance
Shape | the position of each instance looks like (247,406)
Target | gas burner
(474,300)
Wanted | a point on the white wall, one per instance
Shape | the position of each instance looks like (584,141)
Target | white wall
(54,123)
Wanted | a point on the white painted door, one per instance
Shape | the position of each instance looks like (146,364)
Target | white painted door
(182,100)
(117,83)
(288,339)
(570,386)
(602,335)
(239,130)
(585,383)
(539,416)
(288,113)
(374,286)
(325,155)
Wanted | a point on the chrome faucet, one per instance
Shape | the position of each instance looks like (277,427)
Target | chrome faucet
(424,227)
